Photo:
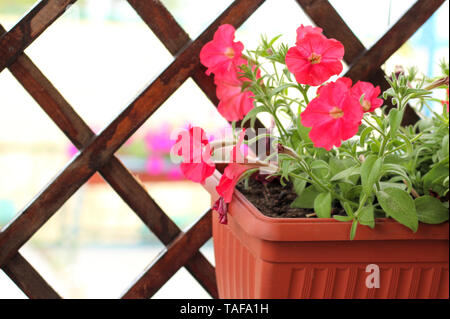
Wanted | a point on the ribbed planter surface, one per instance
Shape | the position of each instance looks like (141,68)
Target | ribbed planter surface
(261,257)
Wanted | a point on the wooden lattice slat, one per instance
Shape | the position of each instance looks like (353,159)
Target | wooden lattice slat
(28,279)
(97,152)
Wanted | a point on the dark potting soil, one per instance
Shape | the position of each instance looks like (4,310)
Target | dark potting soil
(272,199)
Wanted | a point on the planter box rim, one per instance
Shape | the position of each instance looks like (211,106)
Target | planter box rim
(256,224)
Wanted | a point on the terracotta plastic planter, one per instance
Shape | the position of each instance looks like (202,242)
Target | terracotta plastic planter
(261,257)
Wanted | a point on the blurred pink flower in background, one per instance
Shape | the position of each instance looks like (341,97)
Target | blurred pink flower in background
(155,165)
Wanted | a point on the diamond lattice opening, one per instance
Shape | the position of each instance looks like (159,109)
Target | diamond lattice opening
(193,20)
(284,19)
(9,290)
(32,148)
(370,20)
(182,286)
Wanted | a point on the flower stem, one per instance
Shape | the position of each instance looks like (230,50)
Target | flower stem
(374,127)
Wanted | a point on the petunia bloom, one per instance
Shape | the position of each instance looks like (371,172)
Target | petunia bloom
(222,208)
(231,176)
(334,116)
(234,103)
(302,31)
(371,93)
(194,147)
(344,80)
(222,53)
(315,58)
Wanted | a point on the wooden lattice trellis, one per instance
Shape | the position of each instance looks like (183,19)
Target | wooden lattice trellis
(97,151)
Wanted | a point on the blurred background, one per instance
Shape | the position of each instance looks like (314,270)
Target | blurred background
(100,55)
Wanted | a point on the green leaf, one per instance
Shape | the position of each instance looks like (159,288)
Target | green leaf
(303,132)
(431,210)
(299,185)
(395,169)
(348,209)
(366,216)
(354,193)
(400,206)
(352,171)
(408,144)
(345,187)
(353,230)
(282,88)
(370,173)
(320,168)
(322,205)
(252,115)
(307,199)
(395,120)
(288,165)
(384,185)
(339,165)
(434,178)
(445,144)
(364,134)
(343,218)
(375,146)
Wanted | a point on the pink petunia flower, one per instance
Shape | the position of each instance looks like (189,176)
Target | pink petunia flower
(194,147)
(302,31)
(234,103)
(344,80)
(222,208)
(222,53)
(371,93)
(335,116)
(231,176)
(315,58)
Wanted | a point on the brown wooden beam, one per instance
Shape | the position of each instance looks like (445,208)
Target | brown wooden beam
(28,279)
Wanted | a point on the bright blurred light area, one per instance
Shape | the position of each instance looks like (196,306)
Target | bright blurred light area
(100,55)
